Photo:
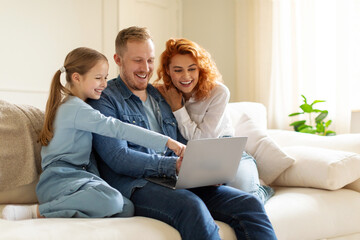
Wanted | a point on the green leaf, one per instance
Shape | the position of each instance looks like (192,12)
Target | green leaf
(330,133)
(294,114)
(306,108)
(317,110)
(308,130)
(327,124)
(321,116)
(305,101)
(316,101)
(303,127)
(297,123)
(320,127)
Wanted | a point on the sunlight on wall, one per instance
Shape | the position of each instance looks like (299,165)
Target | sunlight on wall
(340,34)
(354,62)
(315,53)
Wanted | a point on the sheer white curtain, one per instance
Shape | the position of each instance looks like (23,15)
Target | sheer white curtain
(313,49)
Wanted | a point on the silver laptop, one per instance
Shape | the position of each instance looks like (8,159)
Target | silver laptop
(207,162)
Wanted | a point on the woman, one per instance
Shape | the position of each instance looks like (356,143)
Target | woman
(192,86)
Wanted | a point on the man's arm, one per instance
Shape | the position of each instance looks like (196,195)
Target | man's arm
(126,161)
(124,157)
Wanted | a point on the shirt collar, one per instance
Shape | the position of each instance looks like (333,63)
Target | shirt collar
(123,89)
(126,93)
(191,99)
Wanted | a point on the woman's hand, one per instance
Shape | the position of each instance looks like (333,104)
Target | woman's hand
(172,96)
(177,147)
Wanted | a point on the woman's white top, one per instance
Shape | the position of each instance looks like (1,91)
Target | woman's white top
(206,118)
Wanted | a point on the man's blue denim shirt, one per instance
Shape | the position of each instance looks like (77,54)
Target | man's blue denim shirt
(122,164)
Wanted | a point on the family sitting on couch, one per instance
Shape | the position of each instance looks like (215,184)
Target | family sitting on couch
(125,130)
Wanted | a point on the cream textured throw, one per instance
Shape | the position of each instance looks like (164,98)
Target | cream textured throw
(20,160)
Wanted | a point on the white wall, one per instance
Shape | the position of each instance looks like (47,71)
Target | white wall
(36,35)
(211,23)
(161,17)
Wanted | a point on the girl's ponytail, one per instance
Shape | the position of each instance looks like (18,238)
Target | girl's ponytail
(56,95)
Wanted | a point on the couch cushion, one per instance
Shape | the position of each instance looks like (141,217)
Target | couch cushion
(307,213)
(271,160)
(133,228)
(345,142)
(256,111)
(354,185)
(320,168)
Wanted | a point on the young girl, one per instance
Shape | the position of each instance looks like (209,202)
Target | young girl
(69,185)
(198,99)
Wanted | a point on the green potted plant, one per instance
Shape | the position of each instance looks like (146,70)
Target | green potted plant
(316,125)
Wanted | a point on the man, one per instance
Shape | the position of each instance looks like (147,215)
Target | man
(125,165)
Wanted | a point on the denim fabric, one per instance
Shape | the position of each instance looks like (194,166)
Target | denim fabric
(128,209)
(67,190)
(247,179)
(123,163)
(192,212)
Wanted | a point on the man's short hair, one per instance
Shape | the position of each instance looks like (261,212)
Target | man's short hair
(133,33)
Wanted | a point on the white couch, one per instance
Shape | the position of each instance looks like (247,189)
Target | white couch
(305,205)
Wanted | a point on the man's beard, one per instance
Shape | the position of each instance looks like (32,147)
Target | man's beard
(131,82)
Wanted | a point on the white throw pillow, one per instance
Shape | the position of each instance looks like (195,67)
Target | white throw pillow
(346,142)
(320,168)
(354,186)
(271,160)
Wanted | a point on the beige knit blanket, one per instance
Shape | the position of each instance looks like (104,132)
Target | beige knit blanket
(20,160)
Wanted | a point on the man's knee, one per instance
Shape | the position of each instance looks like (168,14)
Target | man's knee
(193,209)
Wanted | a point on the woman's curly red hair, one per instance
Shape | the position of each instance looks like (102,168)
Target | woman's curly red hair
(208,72)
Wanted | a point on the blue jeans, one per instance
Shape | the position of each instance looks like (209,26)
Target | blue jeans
(192,212)
(247,179)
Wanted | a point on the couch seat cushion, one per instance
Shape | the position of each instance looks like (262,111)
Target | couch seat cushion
(308,213)
(88,229)
(345,142)
(133,228)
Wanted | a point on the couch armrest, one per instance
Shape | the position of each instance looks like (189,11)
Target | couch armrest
(345,142)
